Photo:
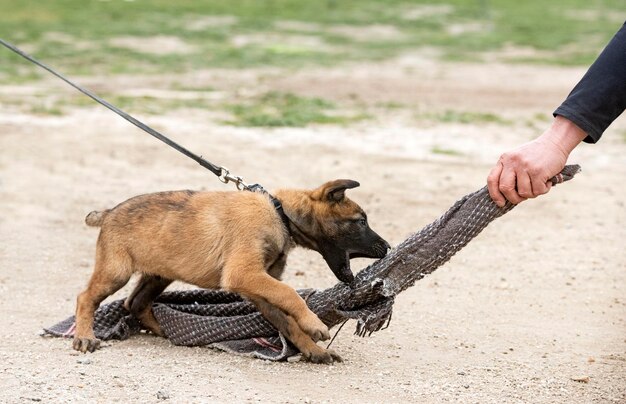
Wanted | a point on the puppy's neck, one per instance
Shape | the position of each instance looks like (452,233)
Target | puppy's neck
(298,207)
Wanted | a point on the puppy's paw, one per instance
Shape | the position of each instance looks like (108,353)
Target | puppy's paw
(86,344)
(315,328)
(325,356)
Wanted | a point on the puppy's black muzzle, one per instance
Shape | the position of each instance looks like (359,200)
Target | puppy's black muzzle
(339,254)
(378,250)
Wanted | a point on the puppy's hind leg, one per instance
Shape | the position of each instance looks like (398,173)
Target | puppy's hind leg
(111,272)
(139,303)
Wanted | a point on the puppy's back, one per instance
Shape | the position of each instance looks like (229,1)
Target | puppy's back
(176,233)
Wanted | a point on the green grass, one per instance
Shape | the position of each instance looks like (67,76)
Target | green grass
(41,109)
(189,87)
(465,117)
(541,117)
(391,105)
(131,104)
(446,152)
(279,109)
(273,109)
(154,105)
(89,25)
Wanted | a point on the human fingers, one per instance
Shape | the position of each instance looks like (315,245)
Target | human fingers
(508,180)
(539,186)
(493,184)
(523,185)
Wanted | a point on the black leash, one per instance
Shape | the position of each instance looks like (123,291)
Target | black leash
(221,172)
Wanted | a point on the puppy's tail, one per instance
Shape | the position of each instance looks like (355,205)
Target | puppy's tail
(96,218)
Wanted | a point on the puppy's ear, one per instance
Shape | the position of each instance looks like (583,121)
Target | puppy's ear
(333,191)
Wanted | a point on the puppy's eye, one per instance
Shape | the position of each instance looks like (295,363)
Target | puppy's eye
(362,222)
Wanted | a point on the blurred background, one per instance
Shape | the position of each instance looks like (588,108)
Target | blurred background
(414,99)
(105,36)
(116,37)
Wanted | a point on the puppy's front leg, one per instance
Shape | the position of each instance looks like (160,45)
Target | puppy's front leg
(287,326)
(256,283)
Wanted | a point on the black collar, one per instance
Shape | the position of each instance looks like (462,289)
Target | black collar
(277,205)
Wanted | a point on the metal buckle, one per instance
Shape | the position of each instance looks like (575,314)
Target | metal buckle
(226,177)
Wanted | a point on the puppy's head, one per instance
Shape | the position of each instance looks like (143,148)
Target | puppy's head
(338,228)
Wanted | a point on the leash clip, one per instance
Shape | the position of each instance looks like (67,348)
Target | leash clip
(226,177)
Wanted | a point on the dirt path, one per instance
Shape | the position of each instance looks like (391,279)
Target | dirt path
(534,302)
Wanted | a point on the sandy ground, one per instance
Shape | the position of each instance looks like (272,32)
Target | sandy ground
(537,300)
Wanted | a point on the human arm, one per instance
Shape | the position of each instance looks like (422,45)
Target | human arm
(524,172)
(596,101)
(600,96)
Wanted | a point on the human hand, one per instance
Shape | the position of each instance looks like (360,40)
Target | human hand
(524,172)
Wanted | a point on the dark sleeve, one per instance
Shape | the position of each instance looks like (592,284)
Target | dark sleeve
(600,97)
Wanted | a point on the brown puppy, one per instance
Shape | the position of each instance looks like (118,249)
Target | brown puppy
(235,241)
